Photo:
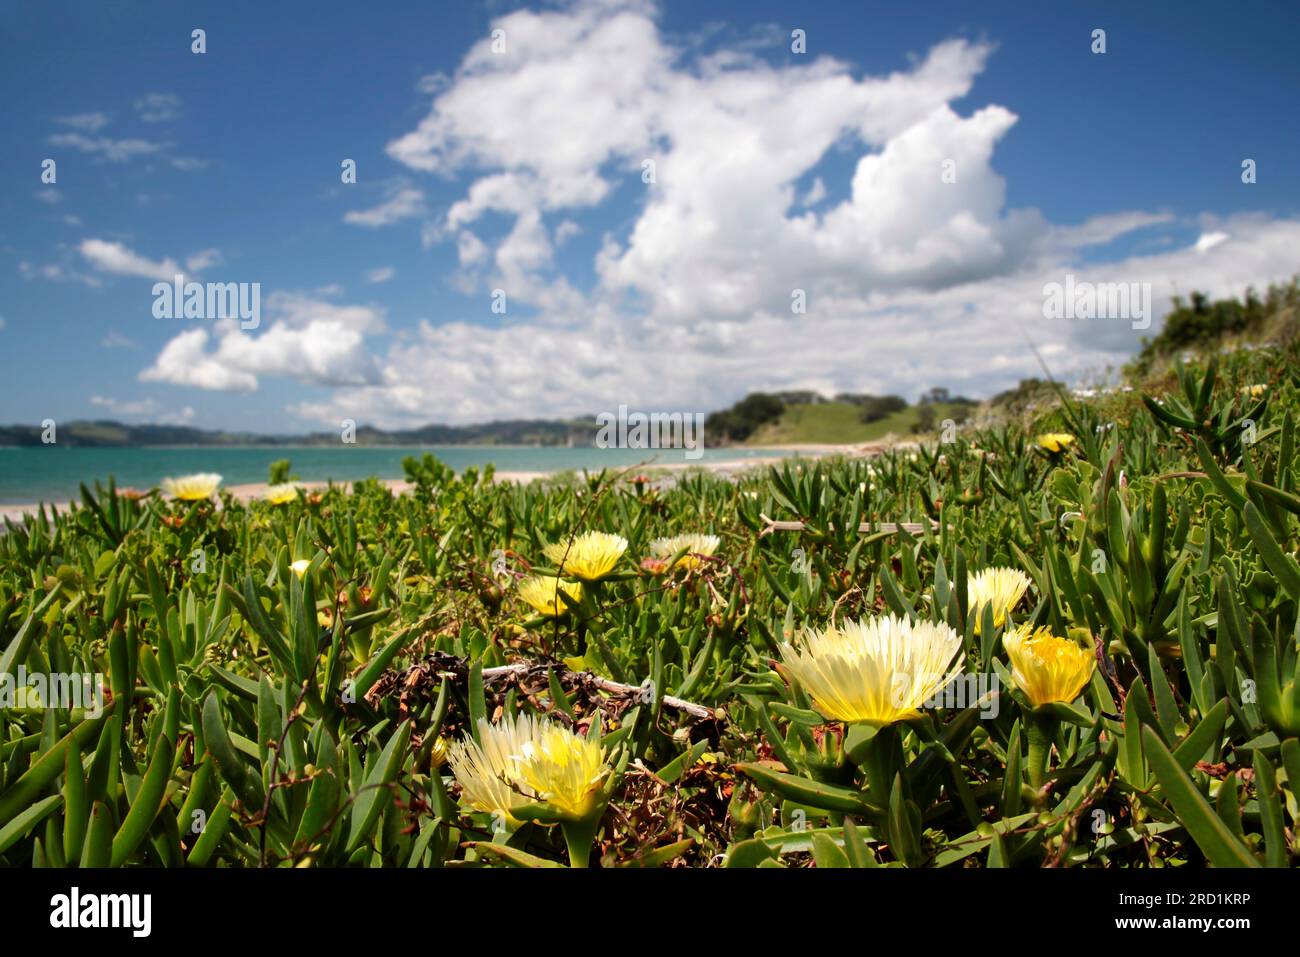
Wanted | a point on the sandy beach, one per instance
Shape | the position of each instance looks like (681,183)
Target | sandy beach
(248,491)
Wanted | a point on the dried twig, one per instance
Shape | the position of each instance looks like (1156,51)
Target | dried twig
(442,664)
(522,668)
(866,528)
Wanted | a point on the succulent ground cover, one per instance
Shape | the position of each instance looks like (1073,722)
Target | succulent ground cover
(1067,641)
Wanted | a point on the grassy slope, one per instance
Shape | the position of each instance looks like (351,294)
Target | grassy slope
(835,422)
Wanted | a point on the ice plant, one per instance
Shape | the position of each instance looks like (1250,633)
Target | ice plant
(567,771)
(873,674)
(1048,670)
(192,488)
(281,494)
(1055,442)
(998,588)
(527,768)
(543,593)
(694,545)
(877,671)
(438,752)
(589,557)
(564,769)
(485,769)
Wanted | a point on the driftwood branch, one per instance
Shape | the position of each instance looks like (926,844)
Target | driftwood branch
(604,684)
(423,676)
(866,528)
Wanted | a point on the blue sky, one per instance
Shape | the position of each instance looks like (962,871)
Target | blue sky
(521,170)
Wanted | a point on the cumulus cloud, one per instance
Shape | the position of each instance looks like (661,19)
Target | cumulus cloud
(971,337)
(914,270)
(306,339)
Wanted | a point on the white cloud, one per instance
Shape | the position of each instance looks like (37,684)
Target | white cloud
(970,337)
(115,340)
(85,122)
(380,274)
(55,272)
(306,339)
(115,151)
(158,107)
(1208,241)
(203,259)
(143,410)
(185,361)
(116,258)
(402,203)
(816,193)
(591,91)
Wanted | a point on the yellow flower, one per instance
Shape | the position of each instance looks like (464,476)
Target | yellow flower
(281,494)
(1255,391)
(1055,441)
(325,618)
(192,488)
(485,769)
(438,752)
(665,548)
(543,593)
(564,769)
(589,557)
(1002,588)
(1047,668)
(876,671)
(300,567)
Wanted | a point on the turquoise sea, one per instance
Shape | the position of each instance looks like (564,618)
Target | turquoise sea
(53,473)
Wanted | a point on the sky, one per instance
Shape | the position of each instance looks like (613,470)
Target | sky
(566,207)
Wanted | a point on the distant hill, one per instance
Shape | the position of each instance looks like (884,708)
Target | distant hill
(786,418)
(839,423)
(109,433)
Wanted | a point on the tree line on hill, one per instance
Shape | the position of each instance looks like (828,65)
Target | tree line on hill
(1199,323)
(757,409)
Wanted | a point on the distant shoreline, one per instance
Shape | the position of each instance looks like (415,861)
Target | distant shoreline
(249,491)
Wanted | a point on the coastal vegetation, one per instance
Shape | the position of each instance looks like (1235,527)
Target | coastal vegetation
(1067,640)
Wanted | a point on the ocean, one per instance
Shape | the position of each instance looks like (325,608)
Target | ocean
(53,473)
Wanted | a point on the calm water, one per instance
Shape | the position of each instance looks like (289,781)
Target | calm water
(52,473)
